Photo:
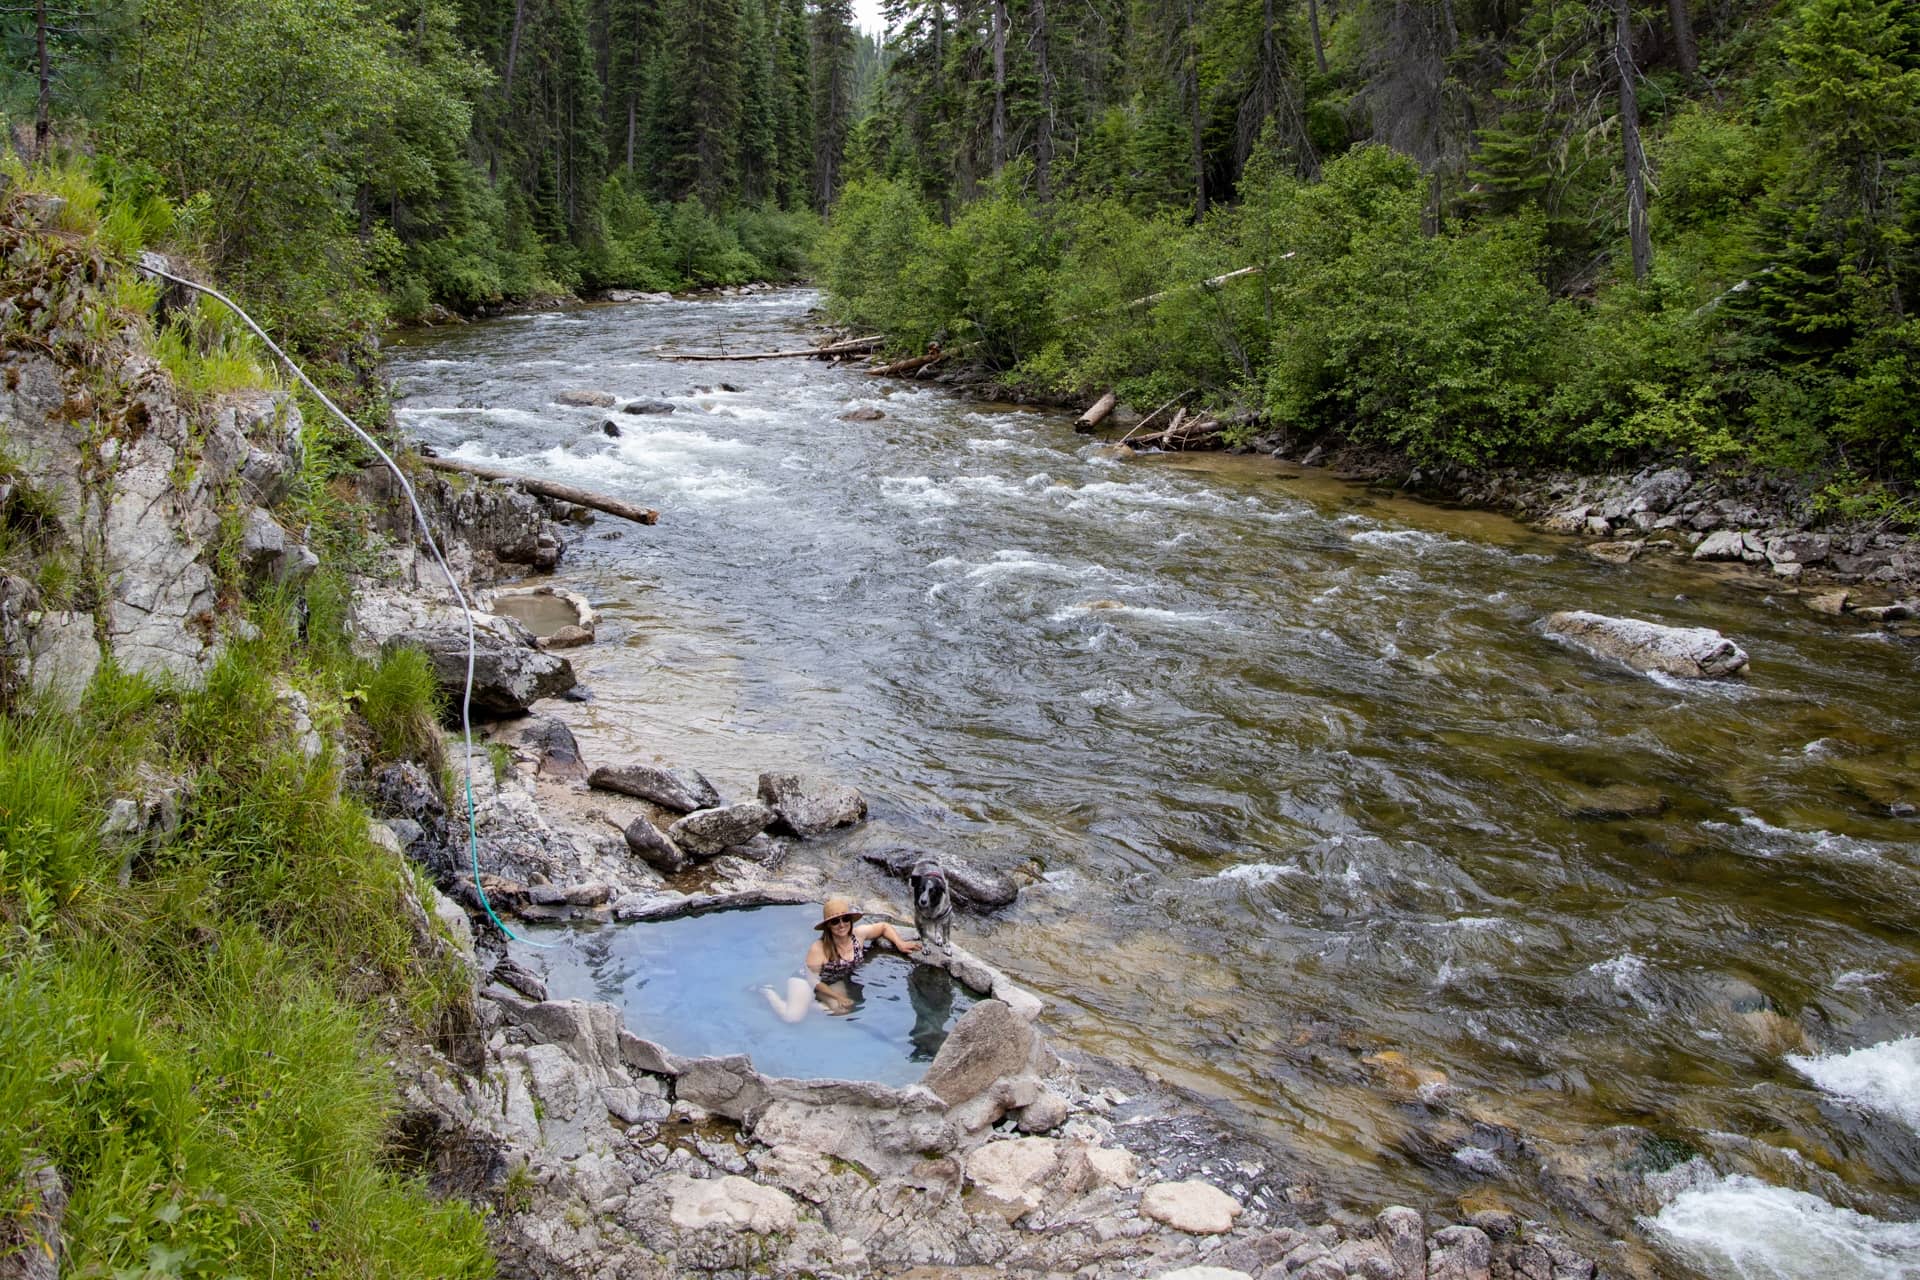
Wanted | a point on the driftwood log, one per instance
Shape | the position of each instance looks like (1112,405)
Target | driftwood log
(852,346)
(548,489)
(1142,424)
(1182,433)
(1096,413)
(909,365)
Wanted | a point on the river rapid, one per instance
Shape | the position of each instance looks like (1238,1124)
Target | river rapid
(1324,829)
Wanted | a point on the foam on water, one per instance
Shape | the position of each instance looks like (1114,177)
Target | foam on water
(1786,839)
(1119,610)
(916,491)
(1628,974)
(1259,872)
(503,416)
(1417,539)
(1740,1228)
(1883,1077)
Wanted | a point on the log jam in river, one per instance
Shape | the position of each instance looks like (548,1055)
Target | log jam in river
(1322,827)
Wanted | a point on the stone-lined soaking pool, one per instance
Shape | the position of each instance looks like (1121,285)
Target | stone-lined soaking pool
(692,985)
(1325,830)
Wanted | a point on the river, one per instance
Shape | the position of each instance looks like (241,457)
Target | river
(1323,828)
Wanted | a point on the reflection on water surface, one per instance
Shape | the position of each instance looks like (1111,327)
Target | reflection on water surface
(1323,826)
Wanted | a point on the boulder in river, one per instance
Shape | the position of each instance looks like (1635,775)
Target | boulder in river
(681,790)
(973,889)
(1688,652)
(647,406)
(508,676)
(707,832)
(586,399)
(807,806)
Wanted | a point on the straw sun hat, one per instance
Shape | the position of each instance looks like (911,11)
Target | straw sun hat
(835,909)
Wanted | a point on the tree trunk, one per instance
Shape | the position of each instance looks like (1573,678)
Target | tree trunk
(1639,236)
(513,48)
(1043,143)
(1192,72)
(1313,25)
(43,108)
(999,85)
(1685,52)
(633,108)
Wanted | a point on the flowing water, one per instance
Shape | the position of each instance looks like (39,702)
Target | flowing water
(1324,828)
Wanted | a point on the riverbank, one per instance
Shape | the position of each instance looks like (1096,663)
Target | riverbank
(1768,530)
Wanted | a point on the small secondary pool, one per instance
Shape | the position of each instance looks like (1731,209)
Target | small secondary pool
(693,985)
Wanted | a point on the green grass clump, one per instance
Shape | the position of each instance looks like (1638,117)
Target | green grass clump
(402,703)
(198,1050)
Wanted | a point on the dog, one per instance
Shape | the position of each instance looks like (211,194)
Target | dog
(932,903)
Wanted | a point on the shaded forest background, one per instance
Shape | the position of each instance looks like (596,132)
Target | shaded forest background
(1485,229)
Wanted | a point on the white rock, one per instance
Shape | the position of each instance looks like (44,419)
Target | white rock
(1688,652)
(1723,544)
(1115,1166)
(1190,1206)
(731,1203)
(1203,1273)
(1012,1173)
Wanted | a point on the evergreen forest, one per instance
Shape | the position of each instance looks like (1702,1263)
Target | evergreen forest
(1467,230)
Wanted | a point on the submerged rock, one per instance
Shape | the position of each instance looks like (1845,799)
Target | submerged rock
(1688,652)
(681,790)
(806,807)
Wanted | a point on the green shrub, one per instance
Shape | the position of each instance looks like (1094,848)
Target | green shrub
(402,703)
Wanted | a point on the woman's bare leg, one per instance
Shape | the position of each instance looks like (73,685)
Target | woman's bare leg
(799,999)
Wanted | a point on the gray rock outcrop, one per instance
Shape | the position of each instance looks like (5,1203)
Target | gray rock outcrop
(1687,652)
(134,487)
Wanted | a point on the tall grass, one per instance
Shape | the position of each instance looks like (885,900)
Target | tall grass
(196,1050)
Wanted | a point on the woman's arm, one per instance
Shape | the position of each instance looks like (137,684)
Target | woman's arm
(889,934)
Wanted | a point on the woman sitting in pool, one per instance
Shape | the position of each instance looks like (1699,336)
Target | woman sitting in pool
(843,947)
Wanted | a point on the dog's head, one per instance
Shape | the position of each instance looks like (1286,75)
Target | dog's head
(929,883)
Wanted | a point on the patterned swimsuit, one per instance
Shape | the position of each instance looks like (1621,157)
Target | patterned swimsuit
(839,970)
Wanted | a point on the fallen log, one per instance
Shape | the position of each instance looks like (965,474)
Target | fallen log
(1180,435)
(548,489)
(909,365)
(1142,424)
(852,346)
(1096,413)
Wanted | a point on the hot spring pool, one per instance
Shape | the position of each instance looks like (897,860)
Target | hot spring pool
(692,984)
